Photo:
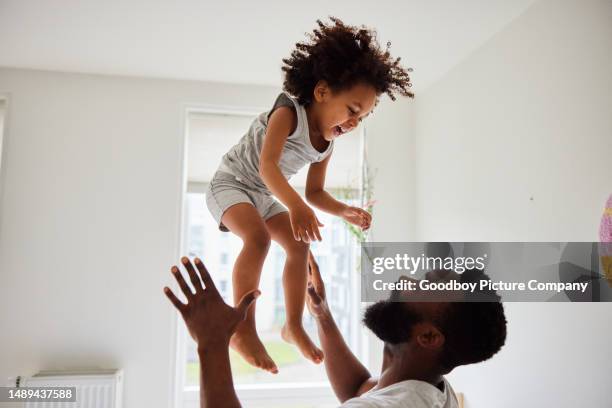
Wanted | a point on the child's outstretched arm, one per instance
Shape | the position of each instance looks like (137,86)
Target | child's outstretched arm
(321,199)
(304,222)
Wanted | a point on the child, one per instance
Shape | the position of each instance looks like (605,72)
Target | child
(331,83)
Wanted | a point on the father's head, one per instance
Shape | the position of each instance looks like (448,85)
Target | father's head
(468,330)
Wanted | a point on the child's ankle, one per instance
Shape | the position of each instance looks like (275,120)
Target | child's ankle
(294,325)
(245,330)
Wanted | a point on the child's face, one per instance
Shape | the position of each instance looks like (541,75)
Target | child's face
(340,112)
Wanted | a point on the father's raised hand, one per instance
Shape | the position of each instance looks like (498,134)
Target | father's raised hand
(209,319)
(316,299)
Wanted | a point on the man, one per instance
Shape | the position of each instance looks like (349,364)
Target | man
(423,341)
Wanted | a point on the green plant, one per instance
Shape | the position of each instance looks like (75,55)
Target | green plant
(363,198)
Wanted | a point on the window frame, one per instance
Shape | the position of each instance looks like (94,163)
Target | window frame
(257,394)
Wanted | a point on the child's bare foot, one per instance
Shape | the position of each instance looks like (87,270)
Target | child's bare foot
(295,334)
(247,344)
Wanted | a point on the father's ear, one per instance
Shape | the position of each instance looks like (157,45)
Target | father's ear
(429,336)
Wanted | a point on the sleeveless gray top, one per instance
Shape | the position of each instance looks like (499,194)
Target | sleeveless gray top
(242,160)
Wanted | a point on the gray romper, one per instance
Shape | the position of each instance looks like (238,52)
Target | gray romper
(237,179)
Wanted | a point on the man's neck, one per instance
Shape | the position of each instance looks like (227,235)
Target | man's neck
(401,363)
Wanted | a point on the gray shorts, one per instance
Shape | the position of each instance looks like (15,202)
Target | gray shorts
(224,191)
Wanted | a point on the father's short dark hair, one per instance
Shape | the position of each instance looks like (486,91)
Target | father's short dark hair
(474,329)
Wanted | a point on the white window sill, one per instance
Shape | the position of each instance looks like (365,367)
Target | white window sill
(286,395)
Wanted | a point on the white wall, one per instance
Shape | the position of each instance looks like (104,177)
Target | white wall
(391,155)
(526,116)
(3,107)
(90,218)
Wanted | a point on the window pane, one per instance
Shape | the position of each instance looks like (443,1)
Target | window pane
(336,257)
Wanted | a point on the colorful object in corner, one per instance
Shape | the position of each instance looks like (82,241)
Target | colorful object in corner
(605,236)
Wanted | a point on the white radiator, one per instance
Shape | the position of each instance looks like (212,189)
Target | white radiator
(94,389)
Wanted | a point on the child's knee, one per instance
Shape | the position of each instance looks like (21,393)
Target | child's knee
(259,240)
(297,248)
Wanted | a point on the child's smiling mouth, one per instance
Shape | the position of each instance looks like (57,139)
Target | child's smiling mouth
(339,130)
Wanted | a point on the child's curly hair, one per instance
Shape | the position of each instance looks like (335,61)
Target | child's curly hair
(343,56)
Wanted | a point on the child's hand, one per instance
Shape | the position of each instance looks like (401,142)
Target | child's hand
(357,216)
(305,224)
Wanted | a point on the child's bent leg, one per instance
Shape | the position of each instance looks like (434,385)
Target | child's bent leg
(295,277)
(244,220)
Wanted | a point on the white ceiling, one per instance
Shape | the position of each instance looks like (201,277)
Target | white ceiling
(232,40)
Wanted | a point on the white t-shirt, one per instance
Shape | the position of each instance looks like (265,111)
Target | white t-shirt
(406,394)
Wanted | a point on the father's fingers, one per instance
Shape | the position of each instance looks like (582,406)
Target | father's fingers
(314,267)
(315,275)
(177,303)
(208,282)
(193,276)
(309,265)
(311,258)
(312,264)
(314,296)
(246,301)
(179,278)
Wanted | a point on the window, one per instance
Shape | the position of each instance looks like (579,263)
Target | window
(209,137)
(224,258)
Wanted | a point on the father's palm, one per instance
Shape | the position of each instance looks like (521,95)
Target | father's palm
(316,299)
